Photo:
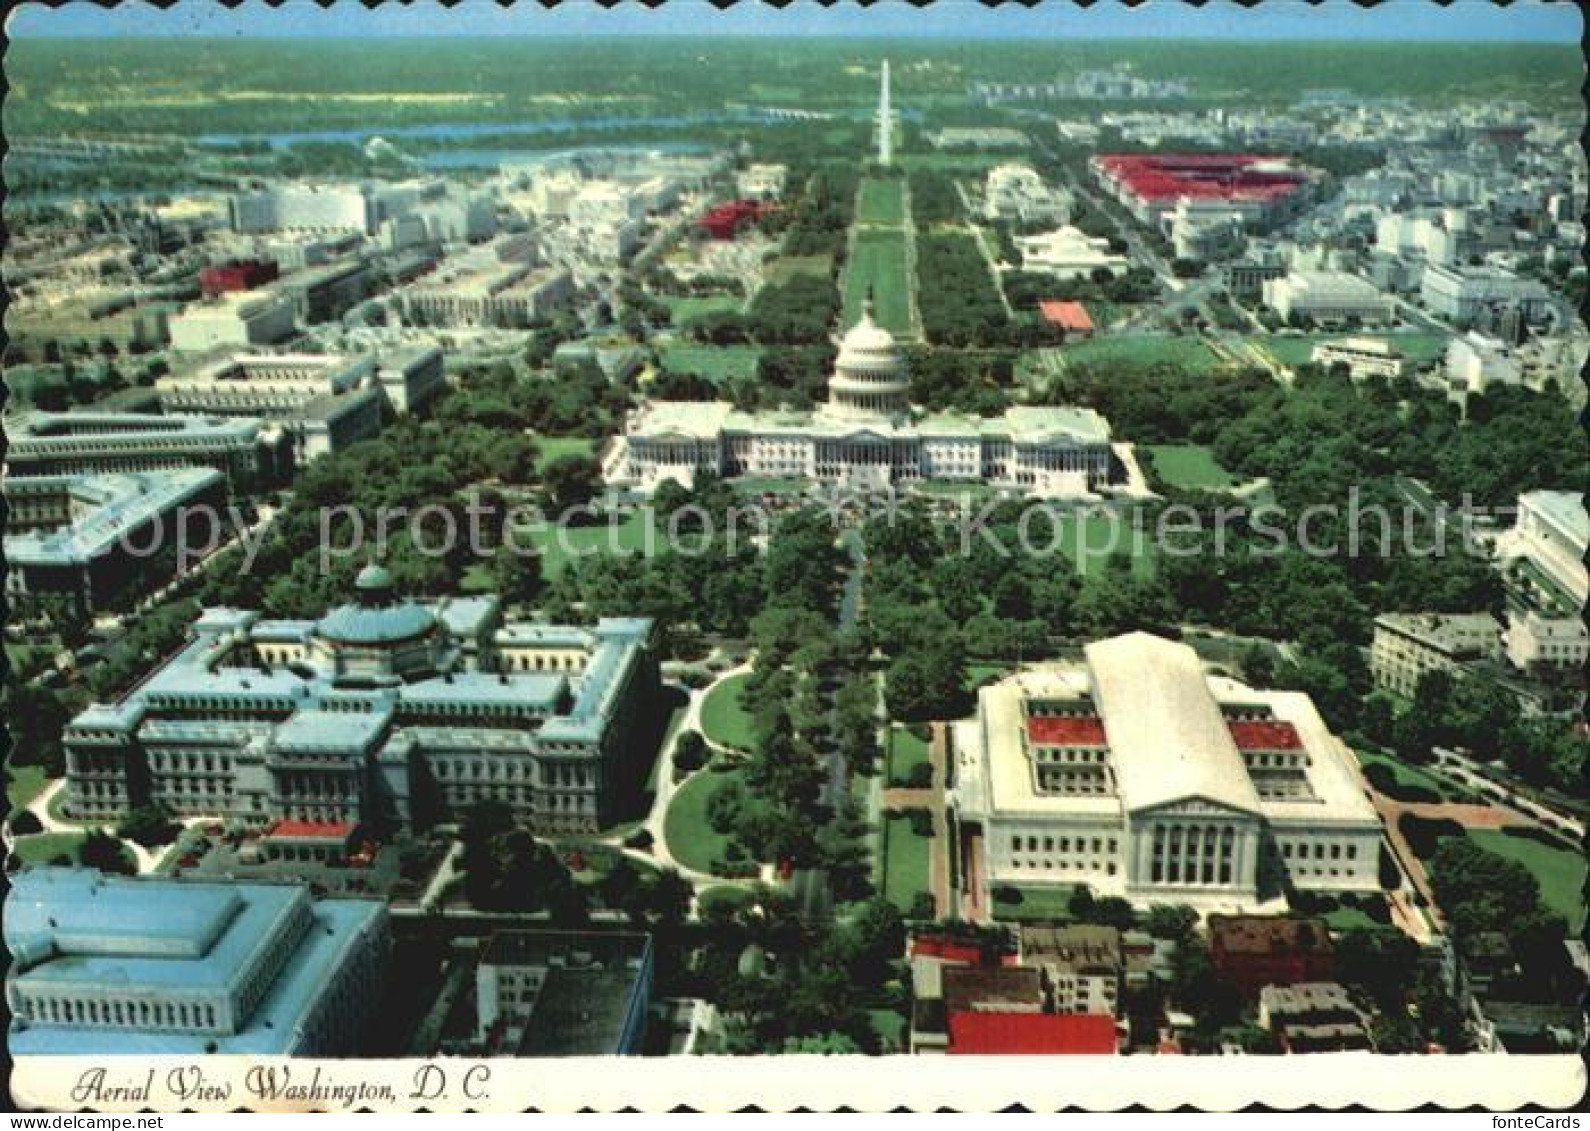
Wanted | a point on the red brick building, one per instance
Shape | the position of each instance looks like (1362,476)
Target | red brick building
(1255,951)
(238,275)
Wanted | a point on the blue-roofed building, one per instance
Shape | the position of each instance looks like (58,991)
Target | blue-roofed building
(150,967)
(94,538)
(386,713)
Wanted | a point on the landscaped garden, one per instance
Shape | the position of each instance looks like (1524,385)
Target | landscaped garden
(691,839)
(1560,871)
(908,756)
(724,719)
(878,267)
(904,864)
(1190,466)
(1019,903)
(718,364)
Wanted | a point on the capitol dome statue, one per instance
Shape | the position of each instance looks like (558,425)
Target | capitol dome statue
(869,376)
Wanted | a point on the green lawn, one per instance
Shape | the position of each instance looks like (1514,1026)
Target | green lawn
(1139,351)
(715,363)
(882,202)
(980,672)
(1090,538)
(1345,918)
(908,747)
(684,308)
(691,840)
(1031,902)
(622,535)
(878,264)
(556,447)
(23,784)
(905,862)
(1560,872)
(1406,774)
(1192,466)
(41,848)
(724,720)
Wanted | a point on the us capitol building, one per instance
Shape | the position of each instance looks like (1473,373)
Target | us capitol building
(386,712)
(868,436)
(1140,774)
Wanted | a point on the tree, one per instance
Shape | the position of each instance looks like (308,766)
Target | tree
(148,825)
(1172,921)
(690,751)
(1481,891)
(875,940)
(105,853)
(1384,964)
(827,1044)
(570,482)
(517,574)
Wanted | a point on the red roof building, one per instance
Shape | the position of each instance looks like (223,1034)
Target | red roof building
(1005,1034)
(238,275)
(311,830)
(725,221)
(1072,317)
(1151,184)
(946,950)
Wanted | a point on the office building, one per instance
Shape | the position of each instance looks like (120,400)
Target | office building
(1330,297)
(762,182)
(97,539)
(323,401)
(1141,775)
(1314,1017)
(1363,357)
(384,712)
(1407,646)
(562,993)
(1152,185)
(248,451)
(107,966)
(1542,563)
(1461,293)
(1081,965)
(504,285)
(233,320)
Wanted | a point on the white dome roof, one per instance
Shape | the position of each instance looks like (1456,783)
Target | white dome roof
(867,337)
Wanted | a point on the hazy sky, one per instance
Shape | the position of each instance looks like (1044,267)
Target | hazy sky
(1476,20)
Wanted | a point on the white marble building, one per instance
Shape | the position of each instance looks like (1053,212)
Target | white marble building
(1141,775)
(868,435)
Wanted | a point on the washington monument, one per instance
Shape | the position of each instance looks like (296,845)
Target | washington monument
(885,139)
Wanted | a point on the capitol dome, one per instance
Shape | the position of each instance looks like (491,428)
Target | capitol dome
(869,375)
